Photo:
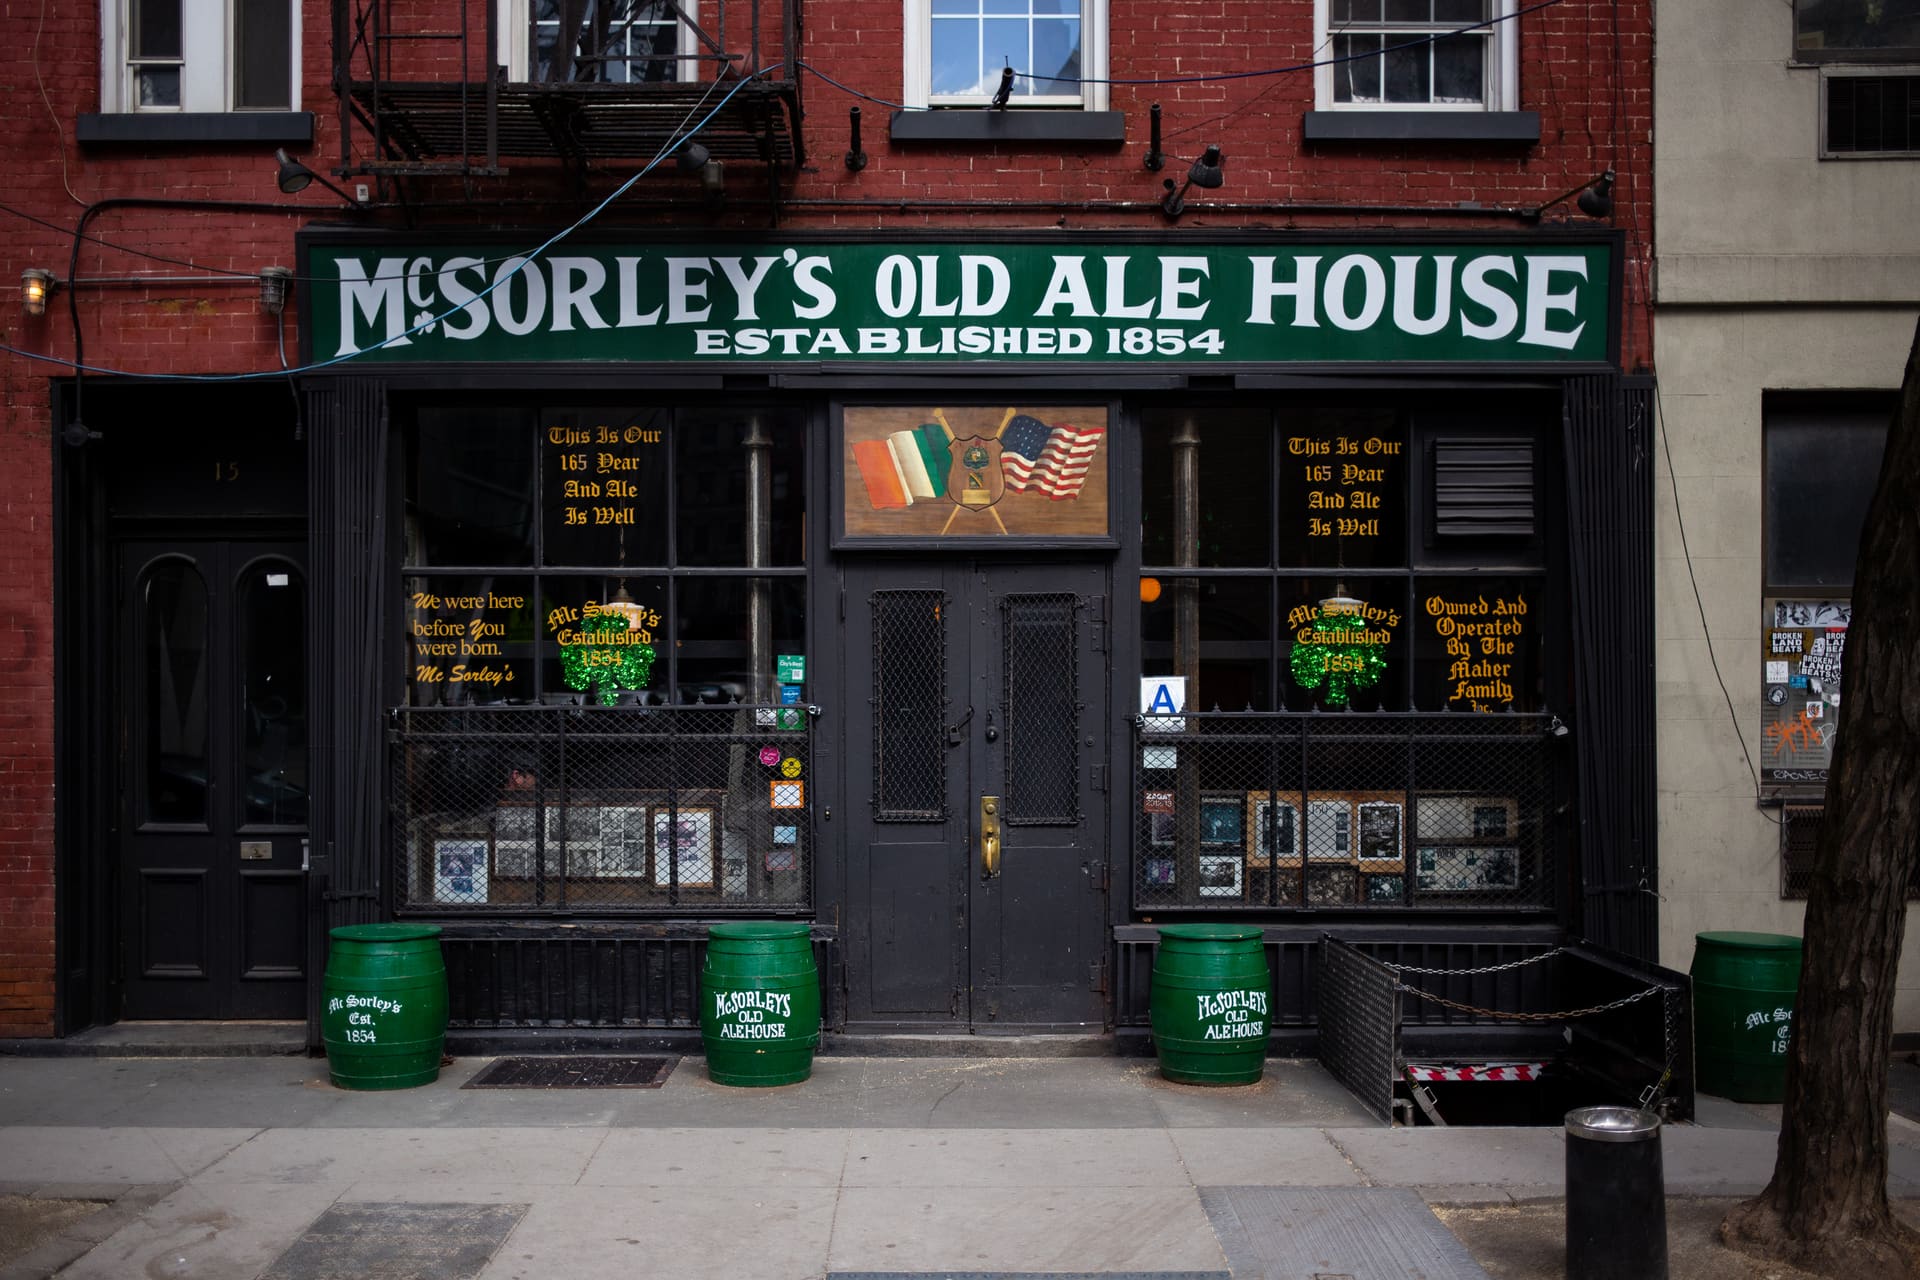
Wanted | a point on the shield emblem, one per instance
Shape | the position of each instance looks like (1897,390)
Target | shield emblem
(975,479)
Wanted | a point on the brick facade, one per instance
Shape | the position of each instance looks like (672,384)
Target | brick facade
(1586,69)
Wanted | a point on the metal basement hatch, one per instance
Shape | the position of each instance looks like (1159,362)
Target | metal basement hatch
(592,1071)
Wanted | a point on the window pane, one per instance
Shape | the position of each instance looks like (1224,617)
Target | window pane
(159,86)
(1004,7)
(1068,8)
(1477,643)
(1344,644)
(263,38)
(1236,641)
(469,482)
(469,639)
(605,486)
(1409,10)
(1822,463)
(1056,54)
(1343,489)
(1459,69)
(603,640)
(956,56)
(1358,78)
(173,673)
(1407,73)
(713,642)
(273,692)
(1846,25)
(1003,43)
(156,29)
(1345,11)
(1235,493)
(713,476)
(1460,10)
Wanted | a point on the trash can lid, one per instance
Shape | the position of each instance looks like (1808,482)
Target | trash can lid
(759,930)
(1612,1124)
(1210,932)
(384,932)
(1754,941)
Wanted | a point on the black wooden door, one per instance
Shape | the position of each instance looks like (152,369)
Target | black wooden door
(976,697)
(211,738)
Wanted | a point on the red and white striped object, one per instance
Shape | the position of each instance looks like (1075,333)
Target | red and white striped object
(1053,460)
(1476,1073)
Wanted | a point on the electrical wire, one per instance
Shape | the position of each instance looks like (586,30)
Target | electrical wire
(1666,446)
(60,135)
(526,260)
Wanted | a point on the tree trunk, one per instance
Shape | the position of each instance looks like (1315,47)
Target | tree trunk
(1826,1207)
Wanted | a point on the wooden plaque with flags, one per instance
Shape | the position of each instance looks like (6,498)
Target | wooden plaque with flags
(1008,472)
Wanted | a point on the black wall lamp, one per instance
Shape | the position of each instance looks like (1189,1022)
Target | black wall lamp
(295,177)
(1595,197)
(856,155)
(1005,91)
(1205,173)
(1156,158)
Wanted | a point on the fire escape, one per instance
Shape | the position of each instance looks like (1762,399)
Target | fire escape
(457,89)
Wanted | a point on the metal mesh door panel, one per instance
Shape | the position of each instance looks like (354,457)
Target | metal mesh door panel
(1039,663)
(909,706)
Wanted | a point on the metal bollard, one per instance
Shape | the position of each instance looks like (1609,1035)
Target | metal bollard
(1616,1195)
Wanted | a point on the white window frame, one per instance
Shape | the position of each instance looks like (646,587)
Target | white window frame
(917,74)
(516,34)
(1502,79)
(206,40)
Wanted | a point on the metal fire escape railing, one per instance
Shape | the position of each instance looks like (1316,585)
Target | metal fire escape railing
(438,90)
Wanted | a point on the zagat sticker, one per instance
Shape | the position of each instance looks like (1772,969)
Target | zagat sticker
(769,756)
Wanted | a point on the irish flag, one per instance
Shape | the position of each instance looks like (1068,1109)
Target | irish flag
(906,467)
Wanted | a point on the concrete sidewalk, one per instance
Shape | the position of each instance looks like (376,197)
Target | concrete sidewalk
(238,1168)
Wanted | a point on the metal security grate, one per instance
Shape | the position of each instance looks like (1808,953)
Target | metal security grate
(909,706)
(590,1072)
(1873,114)
(1359,1002)
(1379,811)
(1039,659)
(517,810)
(1483,488)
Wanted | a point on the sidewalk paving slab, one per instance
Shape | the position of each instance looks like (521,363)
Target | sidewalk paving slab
(1263,1157)
(1455,1157)
(337,1157)
(115,1156)
(718,1158)
(1013,1159)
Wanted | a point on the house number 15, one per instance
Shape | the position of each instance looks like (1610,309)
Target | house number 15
(226,472)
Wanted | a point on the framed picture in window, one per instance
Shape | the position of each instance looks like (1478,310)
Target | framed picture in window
(1220,875)
(1381,822)
(623,842)
(1329,830)
(1273,826)
(1221,819)
(460,871)
(1160,829)
(1445,817)
(683,846)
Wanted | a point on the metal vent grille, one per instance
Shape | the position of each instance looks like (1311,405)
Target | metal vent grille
(1039,651)
(909,706)
(1872,114)
(1483,488)
(1799,832)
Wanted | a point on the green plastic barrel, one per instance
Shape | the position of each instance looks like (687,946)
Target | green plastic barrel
(385,1019)
(1211,993)
(759,1004)
(1743,990)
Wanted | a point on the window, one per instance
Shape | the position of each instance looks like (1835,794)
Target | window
(1869,112)
(1851,31)
(173,56)
(955,50)
(1822,459)
(615,42)
(1399,55)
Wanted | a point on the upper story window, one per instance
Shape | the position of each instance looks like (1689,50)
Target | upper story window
(1401,55)
(600,41)
(1853,31)
(956,49)
(171,55)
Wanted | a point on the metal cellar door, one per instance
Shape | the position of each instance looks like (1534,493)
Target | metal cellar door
(976,823)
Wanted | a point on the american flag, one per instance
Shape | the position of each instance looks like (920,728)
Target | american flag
(1053,460)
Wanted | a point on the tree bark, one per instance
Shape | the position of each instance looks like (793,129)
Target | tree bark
(1826,1207)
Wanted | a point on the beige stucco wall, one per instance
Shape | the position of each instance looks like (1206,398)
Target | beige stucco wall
(1774,270)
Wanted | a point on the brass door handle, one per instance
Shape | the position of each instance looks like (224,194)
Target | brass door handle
(989,837)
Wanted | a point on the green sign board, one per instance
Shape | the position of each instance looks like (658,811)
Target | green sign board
(791,667)
(1535,300)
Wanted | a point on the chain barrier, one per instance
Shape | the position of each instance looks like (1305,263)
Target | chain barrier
(1469,973)
(1560,1016)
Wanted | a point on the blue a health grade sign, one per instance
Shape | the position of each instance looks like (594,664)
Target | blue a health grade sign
(1533,301)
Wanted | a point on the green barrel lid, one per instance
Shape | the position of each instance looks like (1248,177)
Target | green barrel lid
(384,932)
(1752,941)
(758,930)
(1209,932)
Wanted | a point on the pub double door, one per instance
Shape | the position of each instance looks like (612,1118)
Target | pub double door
(976,761)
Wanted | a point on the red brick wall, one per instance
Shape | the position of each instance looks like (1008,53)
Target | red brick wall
(1591,120)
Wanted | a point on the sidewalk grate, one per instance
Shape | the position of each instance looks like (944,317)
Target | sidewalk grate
(594,1071)
(1368,1233)
(398,1242)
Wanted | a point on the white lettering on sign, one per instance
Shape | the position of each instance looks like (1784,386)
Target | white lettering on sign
(728,1003)
(378,1003)
(753,1031)
(1212,1006)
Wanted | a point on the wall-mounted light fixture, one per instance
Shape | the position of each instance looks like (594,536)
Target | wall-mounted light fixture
(1205,173)
(713,180)
(36,285)
(1005,91)
(1595,197)
(856,157)
(275,284)
(295,177)
(692,157)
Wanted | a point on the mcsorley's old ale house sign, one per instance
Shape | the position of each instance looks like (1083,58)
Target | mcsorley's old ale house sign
(1534,301)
